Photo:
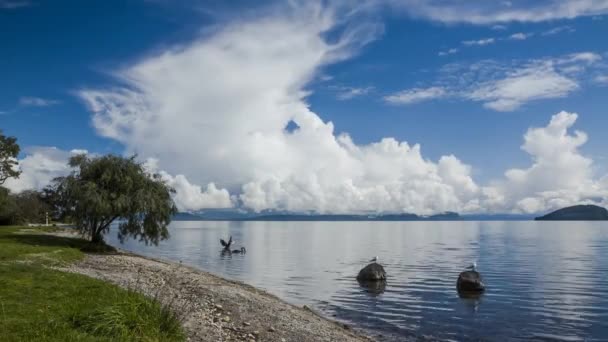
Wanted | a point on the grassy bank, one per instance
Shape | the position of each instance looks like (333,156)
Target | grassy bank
(38,303)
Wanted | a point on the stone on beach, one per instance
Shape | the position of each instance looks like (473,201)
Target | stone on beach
(372,272)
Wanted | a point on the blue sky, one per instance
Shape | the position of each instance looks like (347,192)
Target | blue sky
(466,80)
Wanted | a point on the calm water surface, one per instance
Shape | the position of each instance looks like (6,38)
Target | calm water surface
(545,280)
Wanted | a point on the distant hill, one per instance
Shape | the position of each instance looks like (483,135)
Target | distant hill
(577,213)
(232,215)
(497,217)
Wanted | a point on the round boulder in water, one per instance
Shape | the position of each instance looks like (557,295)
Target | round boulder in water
(470,282)
(372,272)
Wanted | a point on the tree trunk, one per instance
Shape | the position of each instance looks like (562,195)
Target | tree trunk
(96,235)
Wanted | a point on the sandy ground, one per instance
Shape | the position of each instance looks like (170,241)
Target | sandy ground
(213,308)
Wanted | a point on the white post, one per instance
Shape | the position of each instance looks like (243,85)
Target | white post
(46,214)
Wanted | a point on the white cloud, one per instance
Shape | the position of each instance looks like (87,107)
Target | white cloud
(448,52)
(214,112)
(188,196)
(415,95)
(14,4)
(39,167)
(42,164)
(559,175)
(520,36)
(492,12)
(480,42)
(394,177)
(533,82)
(347,93)
(30,101)
(506,86)
(558,29)
(602,79)
(586,57)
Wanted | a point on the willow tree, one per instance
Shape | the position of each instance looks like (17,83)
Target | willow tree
(102,190)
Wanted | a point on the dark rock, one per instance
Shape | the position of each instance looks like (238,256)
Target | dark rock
(577,213)
(470,282)
(372,272)
(373,287)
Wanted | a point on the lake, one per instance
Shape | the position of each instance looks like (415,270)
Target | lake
(545,280)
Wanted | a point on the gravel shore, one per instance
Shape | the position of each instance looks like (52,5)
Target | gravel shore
(213,308)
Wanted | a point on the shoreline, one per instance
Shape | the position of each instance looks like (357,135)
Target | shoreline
(212,308)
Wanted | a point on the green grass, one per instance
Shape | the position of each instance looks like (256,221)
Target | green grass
(38,303)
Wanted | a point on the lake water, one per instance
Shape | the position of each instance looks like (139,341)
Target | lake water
(545,280)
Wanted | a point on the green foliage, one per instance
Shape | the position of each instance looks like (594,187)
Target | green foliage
(8,207)
(104,189)
(38,303)
(25,207)
(9,150)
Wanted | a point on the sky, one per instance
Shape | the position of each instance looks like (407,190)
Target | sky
(318,106)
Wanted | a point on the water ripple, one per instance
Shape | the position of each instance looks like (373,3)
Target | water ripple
(546,282)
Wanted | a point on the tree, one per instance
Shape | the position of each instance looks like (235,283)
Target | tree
(9,150)
(104,189)
(8,207)
(30,207)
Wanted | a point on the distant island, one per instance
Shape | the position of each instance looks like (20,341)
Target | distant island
(227,215)
(577,213)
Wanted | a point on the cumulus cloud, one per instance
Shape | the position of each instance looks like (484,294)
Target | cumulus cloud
(415,95)
(393,177)
(39,167)
(492,12)
(188,196)
(215,112)
(559,175)
(42,164)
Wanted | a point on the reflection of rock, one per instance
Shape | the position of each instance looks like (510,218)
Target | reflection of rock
(375,287)
(469,283)
(471,300)
(372,272)
(472,296)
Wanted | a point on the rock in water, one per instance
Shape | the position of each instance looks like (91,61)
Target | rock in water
(470,281)
(373,287)
(372,272)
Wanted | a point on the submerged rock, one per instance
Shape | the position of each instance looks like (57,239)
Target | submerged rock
(372,272)
(470,282)
(373,287)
